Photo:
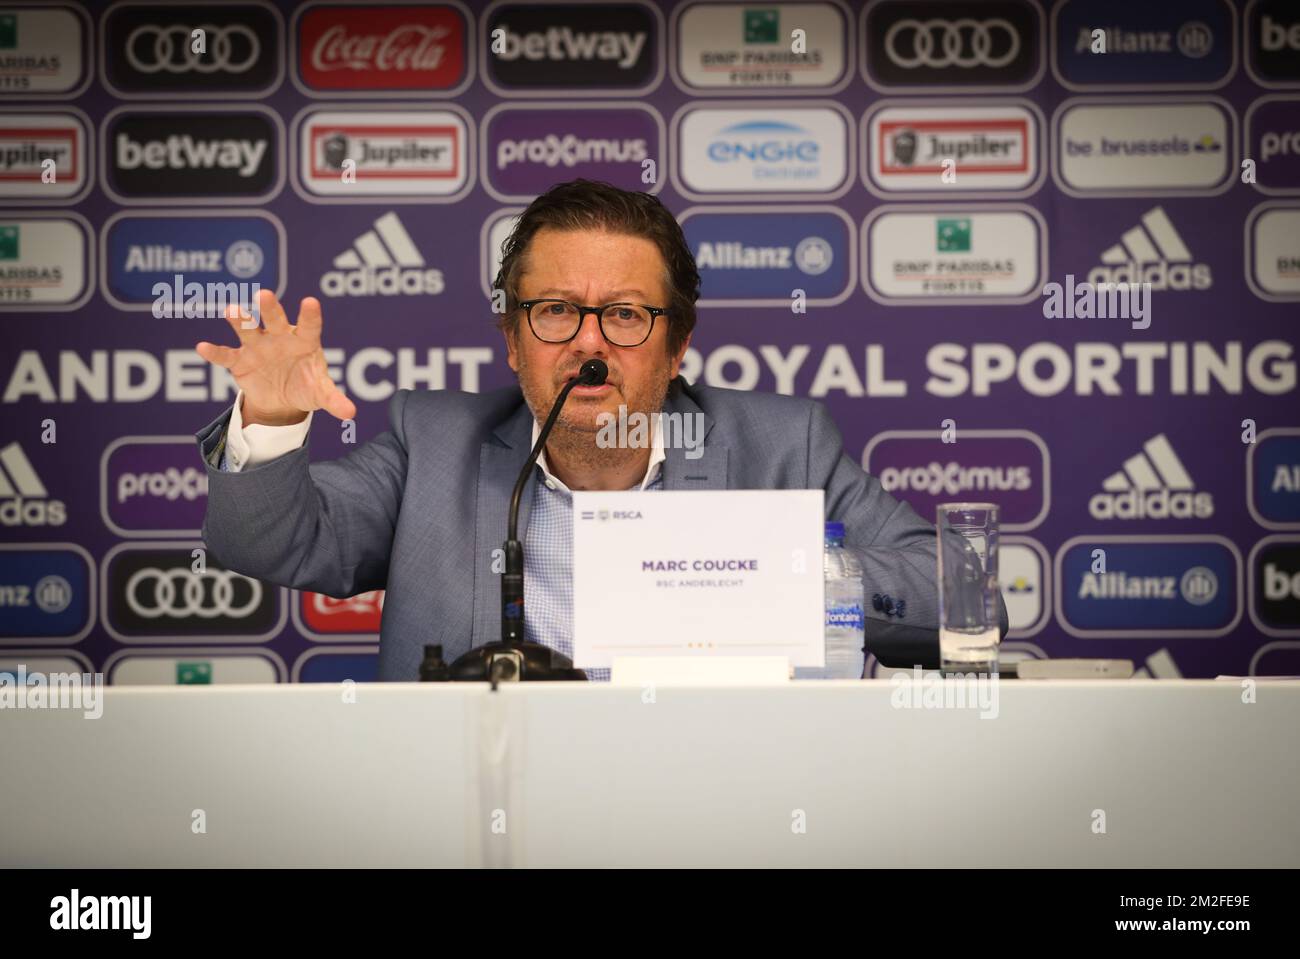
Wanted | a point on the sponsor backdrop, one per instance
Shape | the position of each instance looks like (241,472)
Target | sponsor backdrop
(909,209)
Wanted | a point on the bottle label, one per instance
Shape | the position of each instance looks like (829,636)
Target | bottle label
(844,616)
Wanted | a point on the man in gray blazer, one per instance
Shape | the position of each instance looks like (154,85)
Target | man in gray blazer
(421,510)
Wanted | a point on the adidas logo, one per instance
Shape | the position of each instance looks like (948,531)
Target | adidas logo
(23,499)
(1152,485)
(1154,253)
(382,262)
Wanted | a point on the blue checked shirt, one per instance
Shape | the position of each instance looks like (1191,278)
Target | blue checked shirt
(548,553)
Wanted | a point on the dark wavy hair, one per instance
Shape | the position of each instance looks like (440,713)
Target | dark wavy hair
(592,205)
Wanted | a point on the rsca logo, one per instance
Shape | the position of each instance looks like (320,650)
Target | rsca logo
(1152,252)
(382,262)
(24,501)
(1152,484)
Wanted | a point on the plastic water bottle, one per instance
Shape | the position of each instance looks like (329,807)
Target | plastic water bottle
(845,624)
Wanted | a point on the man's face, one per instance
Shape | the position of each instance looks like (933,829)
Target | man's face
(593,268)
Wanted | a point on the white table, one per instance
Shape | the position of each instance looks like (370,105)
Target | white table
(591,774)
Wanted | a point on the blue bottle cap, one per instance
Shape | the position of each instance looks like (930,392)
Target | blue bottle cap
(835,530)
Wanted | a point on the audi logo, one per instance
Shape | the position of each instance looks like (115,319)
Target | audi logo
(962,43)
(195,597)
(170,49)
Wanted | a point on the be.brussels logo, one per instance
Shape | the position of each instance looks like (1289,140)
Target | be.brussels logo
(1273,252)
(1120,44)
(734,48)
(150,486)
(370,154)
(45,262)
(1273,478)
(43,50)
(1022,578)
(327,619)
(1273,42)
(1116,148)
(383,260)
(755,256)
(607,49)
(200,154)
(1275,585)
(942,46)
(1152,251)
(46,593)
(1151,484)
(954,255)
(1133,587)
(1273,142)
(930,148)
(398,49)
(25,501)
(44,156)
(528,148)
(192,264)
(782,151)
(359,664)
(225,51)
(162,591)
(925,468)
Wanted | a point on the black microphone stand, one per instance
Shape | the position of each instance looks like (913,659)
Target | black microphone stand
(513,658)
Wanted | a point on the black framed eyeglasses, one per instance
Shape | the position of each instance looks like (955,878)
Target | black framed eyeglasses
(622,324)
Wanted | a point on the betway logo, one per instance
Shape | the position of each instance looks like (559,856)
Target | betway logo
(564,43)
(1152,485)
(23,497)
(1152,252)
(184,152)
(1280,584)
(382,262)
(1274,36)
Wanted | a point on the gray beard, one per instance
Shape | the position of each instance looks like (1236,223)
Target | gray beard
(577,446)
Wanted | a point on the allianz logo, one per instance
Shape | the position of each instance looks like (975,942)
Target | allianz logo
(1197,586)
(812,255)
(170,484)
(767,141)
(243,259)
(1286,478)
(52,594)
(1194,40)
(570,150)
(1153,484)
(952,478)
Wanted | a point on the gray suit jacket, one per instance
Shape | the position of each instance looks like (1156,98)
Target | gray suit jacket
(419,509)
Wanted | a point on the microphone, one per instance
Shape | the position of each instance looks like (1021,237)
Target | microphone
(513,658)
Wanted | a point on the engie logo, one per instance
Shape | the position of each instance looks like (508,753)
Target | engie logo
(190,265)
(44,263)
(1152,484)
(379,153)
(1273,42)
(24,500)
(43,51)
(157,591)
(1152,252)
(528,149)
(1183,44)
(1008,467)
(762,254)
(208,50)
(1129,587)
(383,261)
(150,486)
(402,49)
(1275,585)
(782,150)
(45,592)
(203,156)
(585,47)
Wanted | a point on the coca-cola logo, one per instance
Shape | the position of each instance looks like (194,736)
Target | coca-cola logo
(390,48)
(362,613)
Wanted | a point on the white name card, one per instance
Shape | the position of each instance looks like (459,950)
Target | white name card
(708,573)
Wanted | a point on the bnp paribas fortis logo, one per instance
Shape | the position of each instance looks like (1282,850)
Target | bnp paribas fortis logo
(762,26)
(953,236)
(8,242)
(8,31)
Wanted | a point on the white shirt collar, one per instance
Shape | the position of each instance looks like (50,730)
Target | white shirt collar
(657,456)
